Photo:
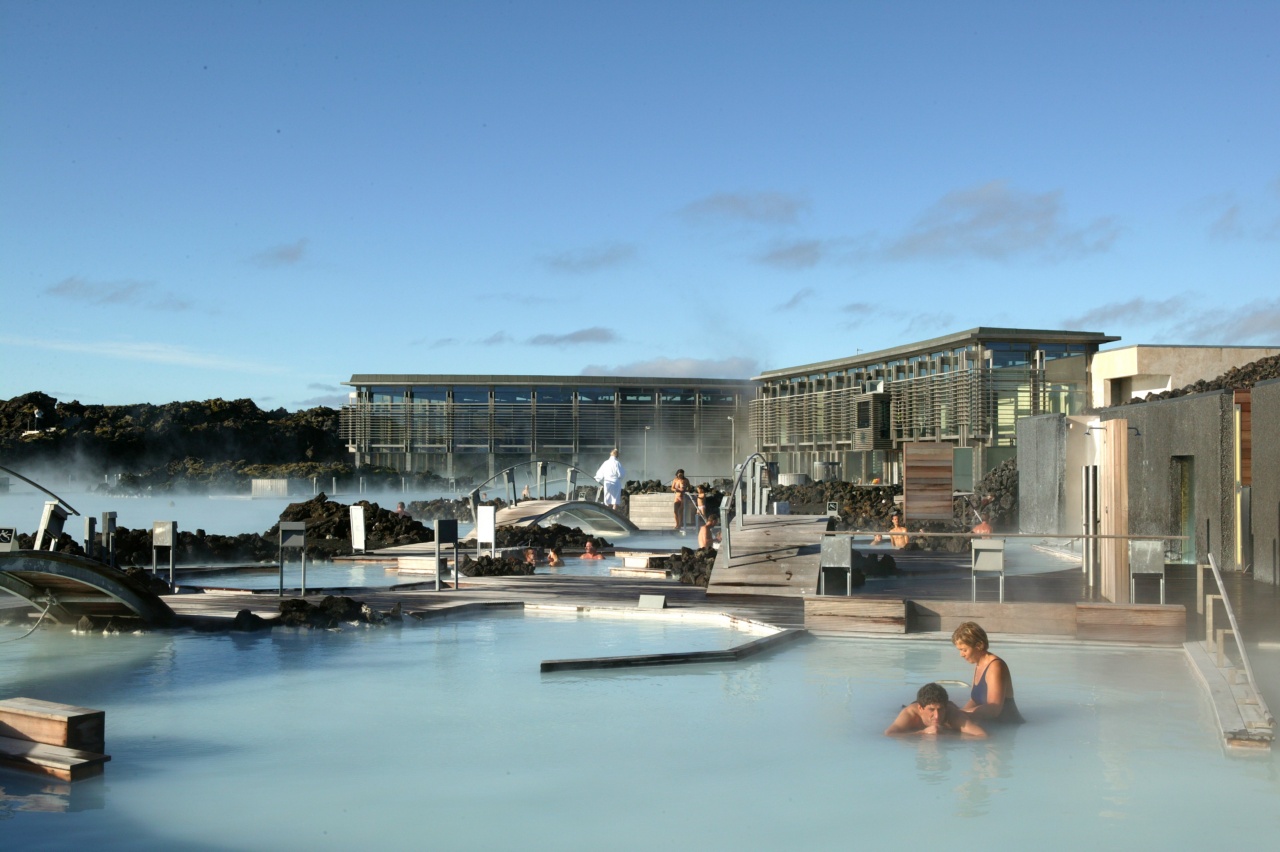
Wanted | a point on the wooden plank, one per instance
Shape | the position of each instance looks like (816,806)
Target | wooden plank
(927,481)
(65,763)
(53,724)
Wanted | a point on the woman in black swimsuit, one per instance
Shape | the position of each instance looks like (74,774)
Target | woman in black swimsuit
(991,699)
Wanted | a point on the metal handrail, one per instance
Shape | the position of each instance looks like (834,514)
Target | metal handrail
(1235,627)
(12,472)
(505,470)
(733,495)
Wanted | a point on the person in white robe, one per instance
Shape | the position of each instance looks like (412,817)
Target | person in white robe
(611,475)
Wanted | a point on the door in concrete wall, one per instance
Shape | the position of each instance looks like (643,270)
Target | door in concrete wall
(1184,507)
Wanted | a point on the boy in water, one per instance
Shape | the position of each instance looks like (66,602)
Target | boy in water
(934,713)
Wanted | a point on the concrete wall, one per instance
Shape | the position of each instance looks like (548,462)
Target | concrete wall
(1042,443)
(1199,427)
(1159,368)
(1266,481)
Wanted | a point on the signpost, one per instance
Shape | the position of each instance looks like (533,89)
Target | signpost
(294,534)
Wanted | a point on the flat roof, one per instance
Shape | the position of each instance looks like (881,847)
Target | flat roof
(576,381)
(949,341)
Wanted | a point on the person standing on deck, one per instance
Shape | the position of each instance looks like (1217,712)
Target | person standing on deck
(680,486)
(611,475)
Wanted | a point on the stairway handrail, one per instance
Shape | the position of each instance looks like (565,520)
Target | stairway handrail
(1235,627)
(566,465)
(733,494)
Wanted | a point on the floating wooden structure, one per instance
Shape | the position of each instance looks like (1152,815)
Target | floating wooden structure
(59,740)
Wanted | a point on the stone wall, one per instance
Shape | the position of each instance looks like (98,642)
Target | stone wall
(1200,428)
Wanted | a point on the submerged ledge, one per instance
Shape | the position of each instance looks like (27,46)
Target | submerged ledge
(739,652)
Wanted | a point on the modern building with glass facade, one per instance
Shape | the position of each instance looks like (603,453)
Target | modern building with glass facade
(476,426)
(966,389)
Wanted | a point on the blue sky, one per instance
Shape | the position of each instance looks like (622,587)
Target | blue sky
(233,199)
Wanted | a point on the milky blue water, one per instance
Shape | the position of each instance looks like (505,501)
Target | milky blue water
(446,736)
(320,575)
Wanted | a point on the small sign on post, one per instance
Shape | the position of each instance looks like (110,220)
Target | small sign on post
(108,533)
(487,529)
(8,539)
(357,529)
(294,534)
(447,533)
(51,525)
(164,534)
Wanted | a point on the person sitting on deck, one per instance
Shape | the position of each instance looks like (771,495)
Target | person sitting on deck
(991,698)
(591,552)
(709,513)
(934,713)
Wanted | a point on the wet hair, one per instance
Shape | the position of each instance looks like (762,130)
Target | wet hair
(680,472)
(972,635)
(932,693)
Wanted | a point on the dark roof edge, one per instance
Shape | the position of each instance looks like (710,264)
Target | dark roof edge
(578,381)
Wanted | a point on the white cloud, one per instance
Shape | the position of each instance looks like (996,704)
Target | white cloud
(153,353)
(596,334)
(283,255)
(997,222)
(591,259)
(127,292)
(776,208)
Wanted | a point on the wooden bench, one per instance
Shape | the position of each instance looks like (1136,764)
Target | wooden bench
(53,739)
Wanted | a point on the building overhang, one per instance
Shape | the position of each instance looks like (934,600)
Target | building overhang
(980,334)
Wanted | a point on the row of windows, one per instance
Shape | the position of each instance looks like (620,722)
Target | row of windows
(546,395)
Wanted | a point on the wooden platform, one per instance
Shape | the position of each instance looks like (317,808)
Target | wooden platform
(58,740)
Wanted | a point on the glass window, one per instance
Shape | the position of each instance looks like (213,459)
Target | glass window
(554,396)
(386,394)
(471,395)
(429,395)
(670,396)
(588,396)
(512,395)
(637,397)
